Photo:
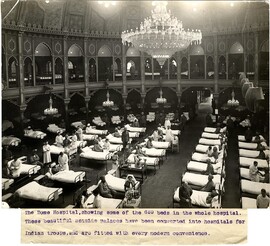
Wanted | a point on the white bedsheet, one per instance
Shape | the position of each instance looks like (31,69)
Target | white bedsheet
(246,162)
(203,158)
(88,153)
(201,167)
(135,129)
(97,132)
(149,161)
(198,198)
(242,138)
(254,188)
(10,140)
(109,203)
(210,135)
(89,137)
(248,202)
(118,184)
(160,145)
(245,145)
(174,132)
(56,150)
(55,129)
(76,124)
(35,134)
(154,152)
(203,148)
(252,153)
(68,176)
(35,191)
(199,179)
(29,169)
(206,141)
(244,173)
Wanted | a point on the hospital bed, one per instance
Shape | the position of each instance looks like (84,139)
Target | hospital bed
(199,180)
(10,141)
(246,162)
(213,129)
(154,152)
(55,150)
(210,135)
(251,146)
(253,189)
(37,192)
(252,153)
(88,153)
(174,132)
(118,184)
(198,199)
(115,140)
(94,131)
(89,137)
(68,176)
(77,124)
(204,157)
(34,134)
(98,121)
(158,144)
(25,168)
(201,167)
(203,148)
(105,203)
(208,142)
(135,129)
(243,139)
(148,161)
(55,129)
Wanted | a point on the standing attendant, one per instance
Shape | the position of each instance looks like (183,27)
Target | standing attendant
(185,193)
(125,138)
(143,120)
(46,153)
(169,137)
(79,133)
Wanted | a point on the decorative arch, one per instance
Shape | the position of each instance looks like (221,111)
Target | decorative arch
(132,52)
(43,49)
(75,51)
(104,51)
(197,50)
(236,48)
(265,46)
(28,71)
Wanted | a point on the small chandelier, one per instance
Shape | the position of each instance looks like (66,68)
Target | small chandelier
(50,110)
(107,3)
(161,35)
(108,103)
(233,102)
(160,99)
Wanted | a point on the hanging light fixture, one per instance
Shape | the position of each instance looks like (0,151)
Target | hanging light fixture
(233,102)
(50,110)
(161,35)
(108,103)
(160,99)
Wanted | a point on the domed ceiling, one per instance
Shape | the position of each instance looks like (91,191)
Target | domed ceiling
(87,16)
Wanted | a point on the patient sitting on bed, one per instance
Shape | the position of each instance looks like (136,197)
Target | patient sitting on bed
(59,140)
(117,132)
(97,147)
(62,164)
(14,168)
(215,153)
(149,143)
(213,196)
(210,184)
(254,173)
(209,151)
(130,183)
(210,168)
(105,190)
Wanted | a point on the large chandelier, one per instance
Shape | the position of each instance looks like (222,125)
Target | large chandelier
(50,110)
(161,35)
(108,103)
(161,99)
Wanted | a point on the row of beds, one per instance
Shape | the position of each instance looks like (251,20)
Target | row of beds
(197,165)
(248,153)
(33,190)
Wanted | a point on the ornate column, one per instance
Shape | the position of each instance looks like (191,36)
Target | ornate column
(65,67)
(53,70)
(227,65)
(256,59)
(86,68)
(34,63)
(124,70)
(179,91)
(143,93)
(215,94)
(245,54)
(66,102)
(22,103)
(6,62)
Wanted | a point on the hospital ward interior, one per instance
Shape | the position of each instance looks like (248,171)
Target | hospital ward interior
(135,104)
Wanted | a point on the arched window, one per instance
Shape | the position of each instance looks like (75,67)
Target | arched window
(70,65)
(13,69)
